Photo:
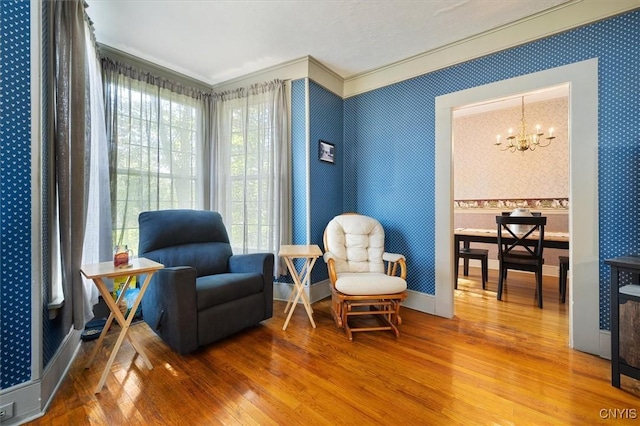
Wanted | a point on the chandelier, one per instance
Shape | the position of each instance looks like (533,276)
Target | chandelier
(524,141)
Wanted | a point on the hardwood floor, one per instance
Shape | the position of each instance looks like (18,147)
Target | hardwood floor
(494,363)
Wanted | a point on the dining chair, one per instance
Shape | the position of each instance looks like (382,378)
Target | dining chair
(521,251)
(563,261)
(470,253)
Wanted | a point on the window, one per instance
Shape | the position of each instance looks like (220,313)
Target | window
(252,169)
(153,162)
(251,179)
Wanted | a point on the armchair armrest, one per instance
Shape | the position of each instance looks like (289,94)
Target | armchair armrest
(261,263)
(169,307)
(392,257)
(328,255)
(394,260)
(330,260)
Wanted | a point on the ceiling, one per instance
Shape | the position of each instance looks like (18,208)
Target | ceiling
(218,40)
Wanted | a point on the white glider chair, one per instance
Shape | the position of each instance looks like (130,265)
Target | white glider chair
(355,257)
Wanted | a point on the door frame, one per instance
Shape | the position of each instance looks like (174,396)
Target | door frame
(584,299)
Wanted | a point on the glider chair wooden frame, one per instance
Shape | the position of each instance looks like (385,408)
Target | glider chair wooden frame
(362,274)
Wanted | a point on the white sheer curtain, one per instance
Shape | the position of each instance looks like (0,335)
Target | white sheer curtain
(251,167)
(97,245)
(155,139)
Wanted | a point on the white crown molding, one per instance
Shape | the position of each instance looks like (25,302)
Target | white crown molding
(305,67)
(290,70)
(559,19)
(325,77)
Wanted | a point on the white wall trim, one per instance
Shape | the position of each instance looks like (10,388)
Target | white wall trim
(307,135)
(305,67)
(325,77)
(605,344)
(559,19)
(421,302)
(59,366)
(26,402)
(290,70)
(582,78)
(36,186)
(315,292)
(32,399)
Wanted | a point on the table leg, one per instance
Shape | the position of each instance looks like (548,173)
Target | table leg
(299,289)
(106,296)
(292,295)
(615,327)
(124,323)
(305,300)
(132,313)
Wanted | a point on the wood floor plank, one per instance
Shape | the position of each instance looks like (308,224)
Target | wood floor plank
(496,362)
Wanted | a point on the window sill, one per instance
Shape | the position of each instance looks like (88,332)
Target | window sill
(54,307)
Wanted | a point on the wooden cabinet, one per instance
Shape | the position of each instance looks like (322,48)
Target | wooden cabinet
(625,317)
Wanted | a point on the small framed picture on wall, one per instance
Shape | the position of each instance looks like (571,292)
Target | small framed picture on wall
(326,152)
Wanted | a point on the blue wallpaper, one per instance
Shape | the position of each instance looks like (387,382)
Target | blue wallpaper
(326,123)
(387,155)
(390,132)
(15,194)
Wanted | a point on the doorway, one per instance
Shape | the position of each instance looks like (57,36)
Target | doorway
(582,77)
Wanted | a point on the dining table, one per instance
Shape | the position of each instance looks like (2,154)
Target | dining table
(466,236)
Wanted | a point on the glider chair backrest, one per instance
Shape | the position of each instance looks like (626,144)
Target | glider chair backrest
(361,283)
(357,242)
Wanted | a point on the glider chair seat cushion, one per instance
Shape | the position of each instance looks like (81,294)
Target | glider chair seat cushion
(369,283)
(205,293)
(364,278)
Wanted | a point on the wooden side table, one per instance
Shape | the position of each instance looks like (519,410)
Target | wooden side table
(625,312)
(289,253)
(98,272)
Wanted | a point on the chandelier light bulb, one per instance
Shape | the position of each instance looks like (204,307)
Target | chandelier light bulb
(525,141)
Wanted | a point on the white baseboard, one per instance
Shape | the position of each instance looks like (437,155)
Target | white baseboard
(420,302)
(59,366)
(315,292)
(31,399)
(605,344)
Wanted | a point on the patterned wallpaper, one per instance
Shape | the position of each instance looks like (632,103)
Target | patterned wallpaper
(388,157)
(15,194)
(389,142)
(482,171)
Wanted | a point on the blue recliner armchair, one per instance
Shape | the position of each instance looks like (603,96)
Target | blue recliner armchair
(205,293)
